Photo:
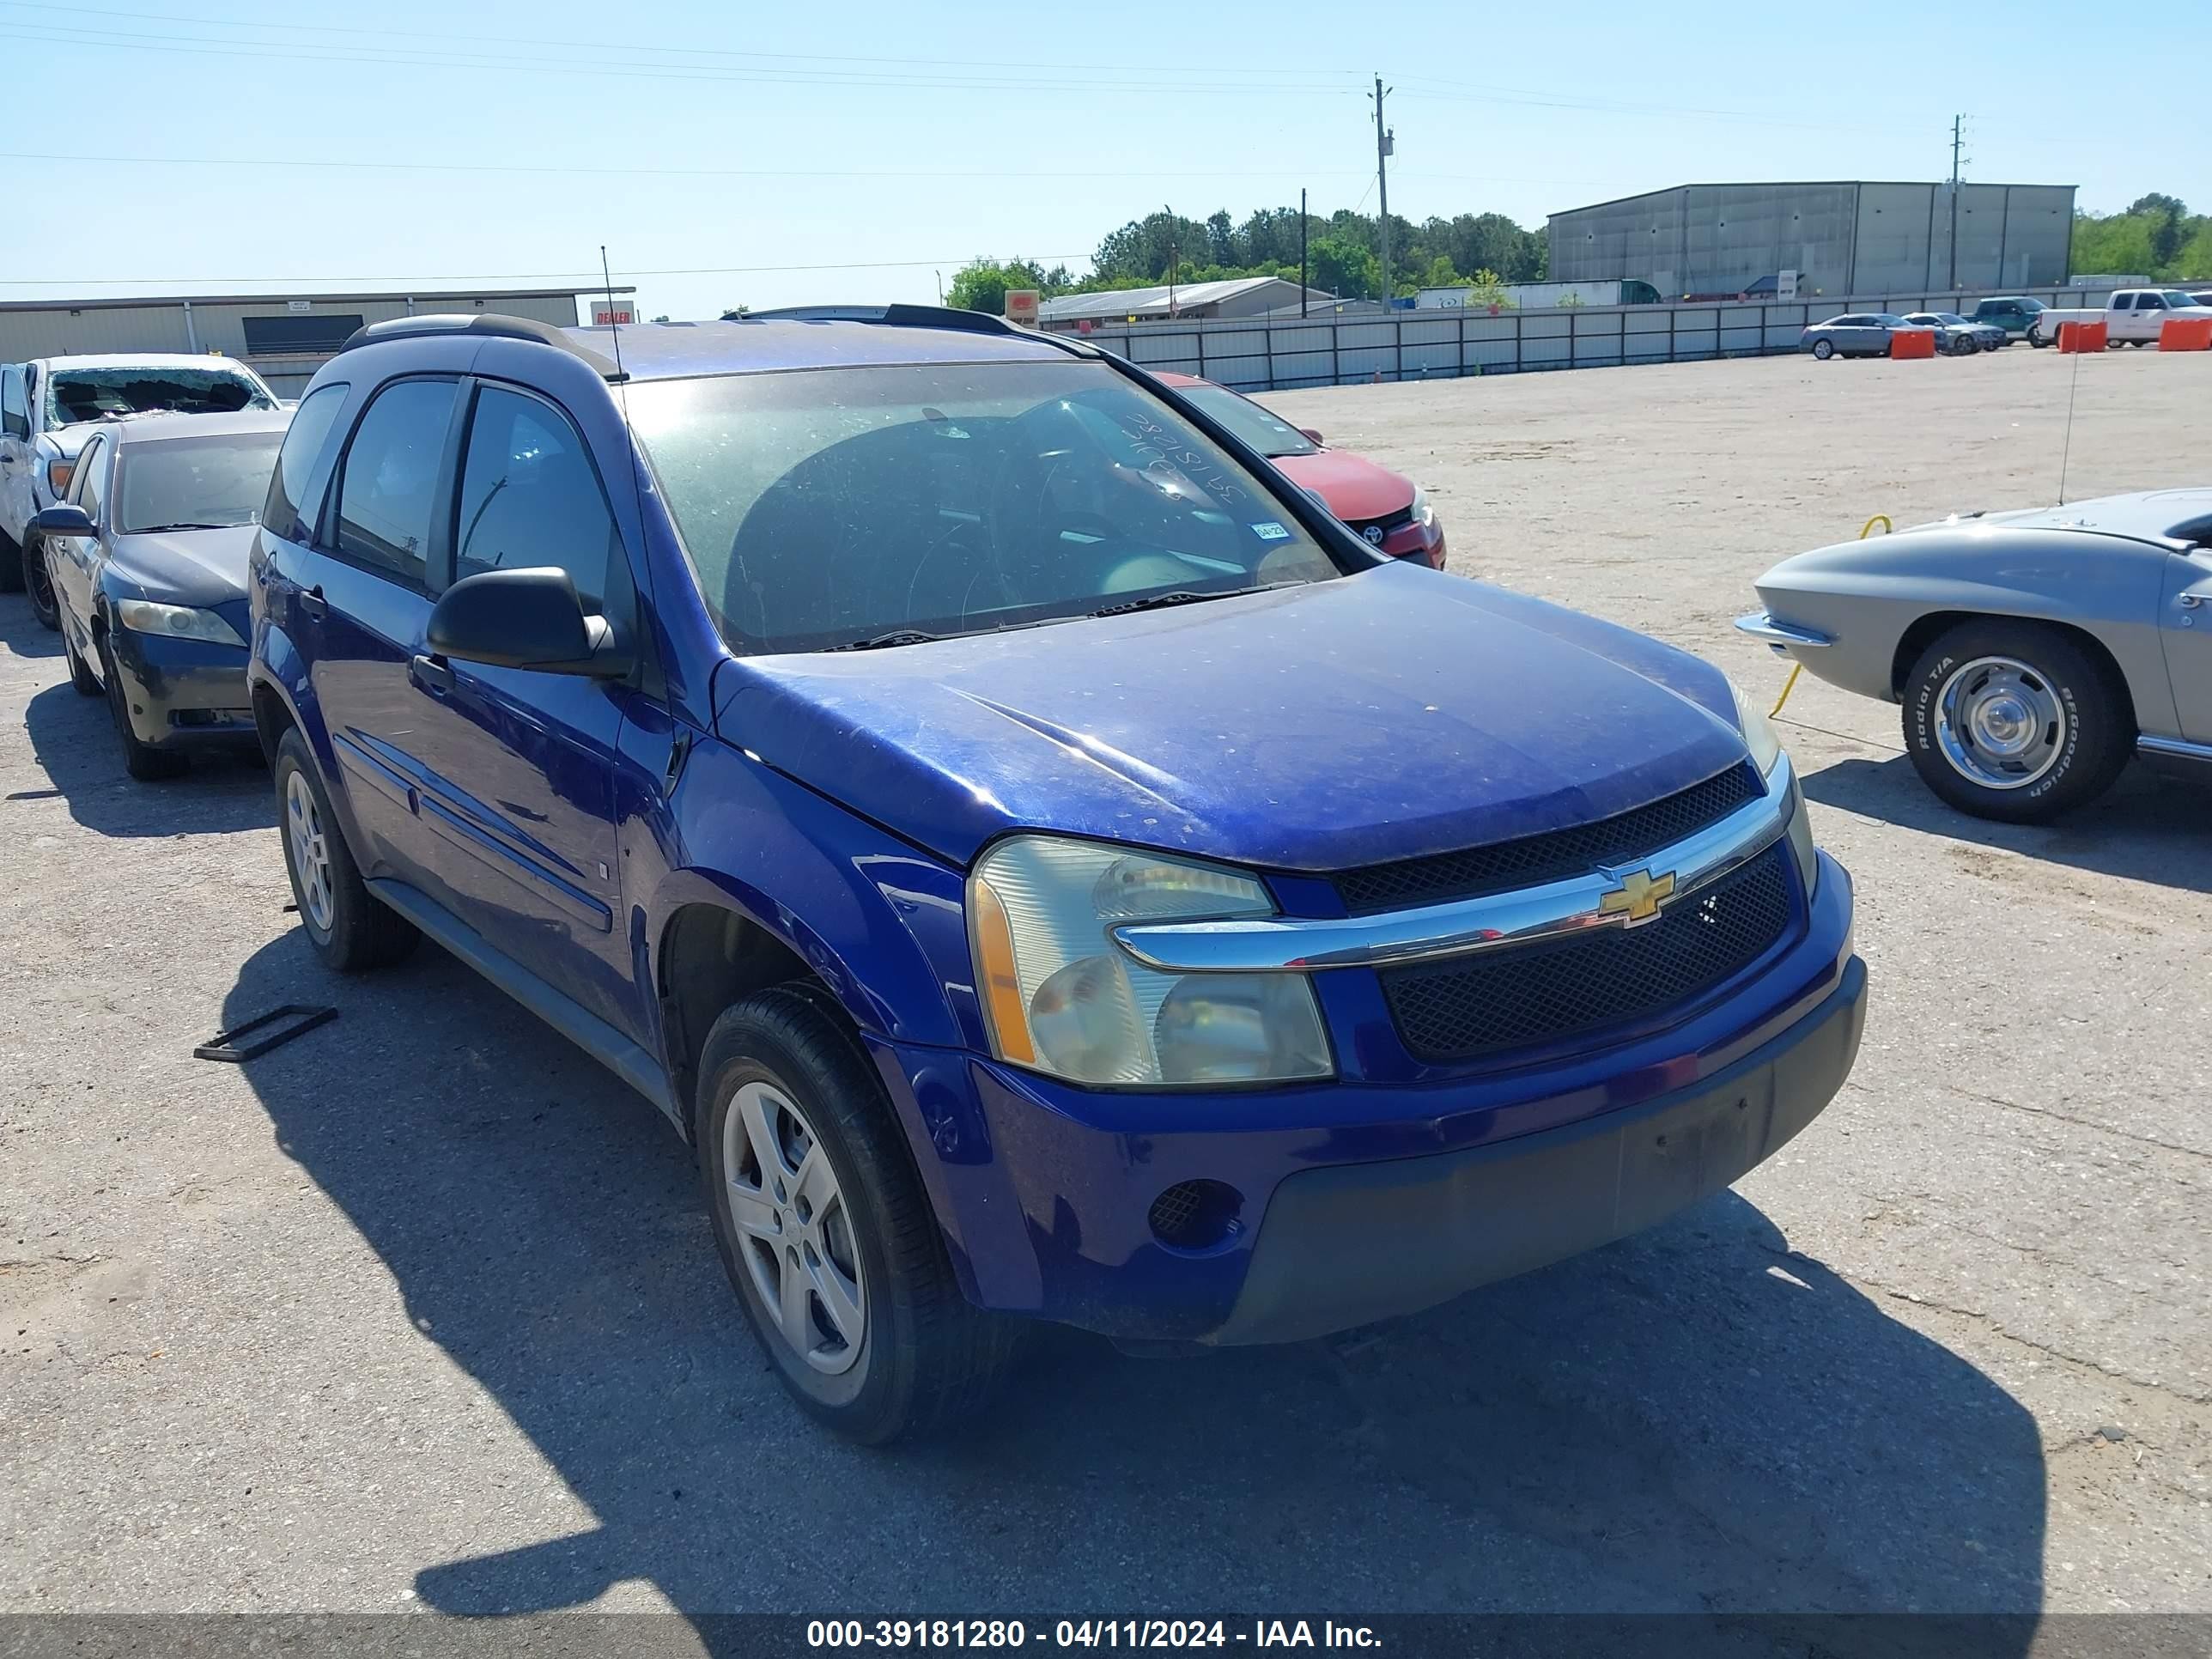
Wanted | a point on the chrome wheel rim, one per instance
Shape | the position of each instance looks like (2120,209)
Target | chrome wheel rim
(2000,723)
(311,853)
(794,1230)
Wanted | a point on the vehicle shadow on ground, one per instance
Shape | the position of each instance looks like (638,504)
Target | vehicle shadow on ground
(2149,827)
(74,740)
(22,633)
(1697,1420)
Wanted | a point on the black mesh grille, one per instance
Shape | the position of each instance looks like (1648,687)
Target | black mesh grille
(1553,856)
(1482,1004)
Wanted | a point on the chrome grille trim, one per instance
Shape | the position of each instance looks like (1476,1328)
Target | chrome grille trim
(1282,944)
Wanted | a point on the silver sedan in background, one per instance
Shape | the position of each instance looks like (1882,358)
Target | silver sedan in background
(1961,338)
(1853,334)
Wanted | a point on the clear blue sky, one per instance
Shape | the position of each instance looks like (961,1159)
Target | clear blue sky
(900,140)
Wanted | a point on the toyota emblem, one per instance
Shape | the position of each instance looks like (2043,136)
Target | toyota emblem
(1374,534)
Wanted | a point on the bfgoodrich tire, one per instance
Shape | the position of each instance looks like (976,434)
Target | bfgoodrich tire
(350,930)
(2015,721)
(825,1229)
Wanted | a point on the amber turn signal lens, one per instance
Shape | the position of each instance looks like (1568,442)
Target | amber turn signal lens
(997,981)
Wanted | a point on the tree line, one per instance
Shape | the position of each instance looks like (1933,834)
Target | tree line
(2157,236)
(1343,255)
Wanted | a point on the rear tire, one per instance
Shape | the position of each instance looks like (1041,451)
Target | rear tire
(2015,721)
(791,1115)
(39,583)
(349,928)
(142,761)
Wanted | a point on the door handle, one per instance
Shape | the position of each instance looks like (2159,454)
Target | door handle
(431,673)
(2191,601)
(311,601)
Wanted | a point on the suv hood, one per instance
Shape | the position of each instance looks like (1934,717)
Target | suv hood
(1387,715)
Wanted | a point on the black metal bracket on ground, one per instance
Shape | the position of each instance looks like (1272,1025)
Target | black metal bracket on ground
(225,1045)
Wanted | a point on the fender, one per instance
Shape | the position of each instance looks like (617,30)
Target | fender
(274,662)
(833,889)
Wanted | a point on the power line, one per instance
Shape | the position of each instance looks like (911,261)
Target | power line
(289,52)
(626,172)
(685,50)
(420,279)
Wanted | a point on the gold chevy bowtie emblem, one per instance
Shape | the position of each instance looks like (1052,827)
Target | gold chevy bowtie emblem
(1639,896)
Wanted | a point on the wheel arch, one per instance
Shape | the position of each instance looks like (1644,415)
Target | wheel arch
(710,953)
(1926,629)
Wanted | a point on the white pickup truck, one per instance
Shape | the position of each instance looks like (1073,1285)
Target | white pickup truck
(2131,317)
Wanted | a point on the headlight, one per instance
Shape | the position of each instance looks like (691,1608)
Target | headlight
(60,472)
(1424,514)
(176,621)
(1758,731)
(1061,997)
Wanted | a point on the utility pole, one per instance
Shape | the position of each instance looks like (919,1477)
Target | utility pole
(1955,122)
(1175,255)
(1302,252)
(1385,146)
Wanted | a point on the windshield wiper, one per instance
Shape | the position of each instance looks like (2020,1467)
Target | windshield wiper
(1187,596)
(160,529)
(896,637)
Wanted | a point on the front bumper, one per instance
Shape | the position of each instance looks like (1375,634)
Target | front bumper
(183,694)
(1342,1246)
(1045,1190)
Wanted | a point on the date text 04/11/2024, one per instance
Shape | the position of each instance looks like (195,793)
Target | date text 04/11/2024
(1084,1633)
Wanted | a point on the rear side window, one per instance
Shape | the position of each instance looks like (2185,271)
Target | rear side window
(391,479)
(289,511)
(530,497)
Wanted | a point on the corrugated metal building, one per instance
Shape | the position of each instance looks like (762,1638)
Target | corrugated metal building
(1235,296)
(1841,237)
(284,337)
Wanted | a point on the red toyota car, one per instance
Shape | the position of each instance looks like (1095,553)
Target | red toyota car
(1391,512)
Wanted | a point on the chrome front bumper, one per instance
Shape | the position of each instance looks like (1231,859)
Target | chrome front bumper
(1761,625)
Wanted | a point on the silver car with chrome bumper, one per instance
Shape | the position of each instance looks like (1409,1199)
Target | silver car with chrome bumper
(2033,652)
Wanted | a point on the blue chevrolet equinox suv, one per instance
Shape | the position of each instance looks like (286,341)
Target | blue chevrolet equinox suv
(1044,863)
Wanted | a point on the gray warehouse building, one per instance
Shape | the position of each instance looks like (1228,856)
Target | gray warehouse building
(284,338)
(1847,238)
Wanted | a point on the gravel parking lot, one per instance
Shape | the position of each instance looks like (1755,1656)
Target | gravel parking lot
(422,1309)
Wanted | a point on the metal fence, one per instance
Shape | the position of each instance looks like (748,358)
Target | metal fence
(1277,354)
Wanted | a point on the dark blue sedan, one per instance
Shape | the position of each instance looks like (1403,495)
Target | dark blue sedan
(1043,862)
(148,554)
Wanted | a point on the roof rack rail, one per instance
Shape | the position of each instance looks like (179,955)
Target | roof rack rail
(431,325)
(897,315)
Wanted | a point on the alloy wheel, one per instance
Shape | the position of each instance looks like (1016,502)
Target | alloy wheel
(311,853)
(795,1230)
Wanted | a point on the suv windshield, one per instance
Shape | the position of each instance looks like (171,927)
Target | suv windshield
(96,394)
(195,483)
(1270,435)
(840,506)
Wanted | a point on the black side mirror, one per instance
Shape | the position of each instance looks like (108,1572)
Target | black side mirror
(63,519)
(1309,434)
(525,619)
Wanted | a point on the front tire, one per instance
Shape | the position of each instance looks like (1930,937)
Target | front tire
(1823,349)
(350,930)
(826,1232)
(11,564)
(39,583)
(83,680)
(2015,721)
(142,761)
(1967,346)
